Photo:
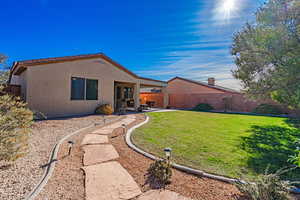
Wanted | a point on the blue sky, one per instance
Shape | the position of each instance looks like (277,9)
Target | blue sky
(158,39)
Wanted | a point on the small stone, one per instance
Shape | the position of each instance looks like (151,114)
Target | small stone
(161,195)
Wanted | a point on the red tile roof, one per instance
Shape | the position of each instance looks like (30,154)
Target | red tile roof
(20,66)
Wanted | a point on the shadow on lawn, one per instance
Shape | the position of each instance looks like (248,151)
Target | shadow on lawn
(271,146)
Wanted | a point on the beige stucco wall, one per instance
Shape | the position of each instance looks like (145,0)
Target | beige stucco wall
(49,86)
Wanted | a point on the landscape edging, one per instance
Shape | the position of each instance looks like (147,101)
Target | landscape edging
(174,165)
(51,165)
(182,167)
(52,161)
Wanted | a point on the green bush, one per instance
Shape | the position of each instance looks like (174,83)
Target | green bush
(204,107)
(267,187)
(104,109)
(15,123)
(160,171)
(267,109)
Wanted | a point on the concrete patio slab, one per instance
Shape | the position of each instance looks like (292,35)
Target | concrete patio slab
(103,131)
(109,181)
(161,195)
(94,139)
(95,154)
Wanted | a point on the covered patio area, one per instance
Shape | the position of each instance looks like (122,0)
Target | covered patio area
(127,94)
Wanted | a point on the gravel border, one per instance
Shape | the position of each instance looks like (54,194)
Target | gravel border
(19,178)
(51,166)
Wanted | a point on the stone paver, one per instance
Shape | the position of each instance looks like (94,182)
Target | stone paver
(103,131)
(128,121)
(161,195)
(109,181)
(95,154)
(113,126)
(94,139)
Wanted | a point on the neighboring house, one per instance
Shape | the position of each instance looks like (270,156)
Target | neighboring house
(76,85)
(179,85)
(186,94)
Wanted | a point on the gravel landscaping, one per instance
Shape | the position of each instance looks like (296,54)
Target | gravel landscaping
(19,178)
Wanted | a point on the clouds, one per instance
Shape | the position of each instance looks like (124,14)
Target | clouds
(205,52)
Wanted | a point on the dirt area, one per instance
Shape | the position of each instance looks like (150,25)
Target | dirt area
(19,178)
(67,181)
(182,183)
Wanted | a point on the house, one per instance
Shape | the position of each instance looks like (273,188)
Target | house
(76,85)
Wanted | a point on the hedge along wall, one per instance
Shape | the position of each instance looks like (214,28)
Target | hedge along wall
(235,102)
(158,98)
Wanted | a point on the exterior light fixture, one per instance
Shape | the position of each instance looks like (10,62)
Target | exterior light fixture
(104,120)
(124,128)
(168,152)
(71,143)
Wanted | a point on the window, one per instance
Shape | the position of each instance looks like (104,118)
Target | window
(84,89)
(91,89)
(128,93)
(78,87)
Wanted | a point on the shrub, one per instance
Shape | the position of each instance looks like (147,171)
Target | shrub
(295,159)
(37,115)
(104,109)
(15,122)
(267,187)
(203,107)
(267,109)
(160,171)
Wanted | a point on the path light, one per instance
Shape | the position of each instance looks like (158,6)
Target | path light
(124,128)
(168,152)
(71,143)
(104,120)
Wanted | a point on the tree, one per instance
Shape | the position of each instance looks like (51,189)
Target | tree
(15,123)
(267,53)
(4,73)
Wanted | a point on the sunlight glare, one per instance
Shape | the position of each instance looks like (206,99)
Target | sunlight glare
(226,9)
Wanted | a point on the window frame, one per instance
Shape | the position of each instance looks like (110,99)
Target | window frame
(75,99)
(86,85)
(85,89)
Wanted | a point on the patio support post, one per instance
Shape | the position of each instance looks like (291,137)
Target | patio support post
(137,96)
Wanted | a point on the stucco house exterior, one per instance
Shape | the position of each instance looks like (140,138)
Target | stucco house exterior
(76,85)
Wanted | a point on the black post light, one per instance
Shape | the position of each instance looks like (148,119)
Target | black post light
(71,143)
(104,120)
(124,128)
(168,153)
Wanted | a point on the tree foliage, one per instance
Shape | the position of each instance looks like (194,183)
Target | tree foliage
(4,73)
(267,187)
(15,122)
(4,76)
(267,53)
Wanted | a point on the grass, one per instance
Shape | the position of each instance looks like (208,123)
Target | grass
(226,144)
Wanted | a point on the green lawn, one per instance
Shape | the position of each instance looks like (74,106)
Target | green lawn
(226,144)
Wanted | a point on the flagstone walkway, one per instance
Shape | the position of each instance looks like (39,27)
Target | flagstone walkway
(105,178)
